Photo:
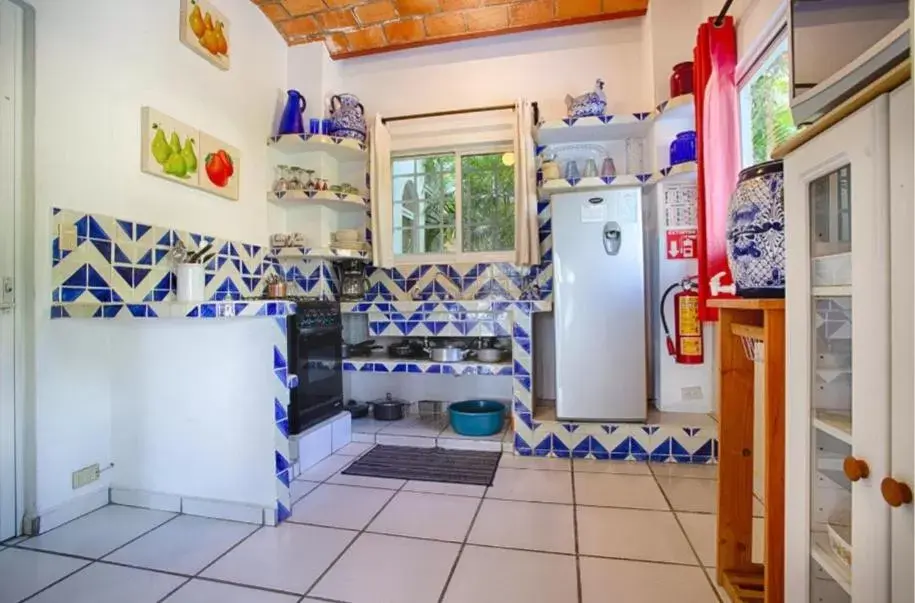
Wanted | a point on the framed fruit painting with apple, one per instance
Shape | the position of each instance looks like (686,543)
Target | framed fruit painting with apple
(220,167)
(178,152)
(205,30)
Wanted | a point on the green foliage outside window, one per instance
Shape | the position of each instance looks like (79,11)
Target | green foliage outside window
(771,122)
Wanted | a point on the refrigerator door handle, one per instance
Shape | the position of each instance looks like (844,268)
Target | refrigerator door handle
(613,238)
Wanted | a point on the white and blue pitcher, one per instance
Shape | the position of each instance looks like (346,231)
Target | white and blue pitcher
(347,117)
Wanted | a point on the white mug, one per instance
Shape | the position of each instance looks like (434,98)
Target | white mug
(190,286)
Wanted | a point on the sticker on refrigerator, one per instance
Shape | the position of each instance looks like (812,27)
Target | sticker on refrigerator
(681,244)
(594,210)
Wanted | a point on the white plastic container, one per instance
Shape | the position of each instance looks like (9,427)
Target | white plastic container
(190,286)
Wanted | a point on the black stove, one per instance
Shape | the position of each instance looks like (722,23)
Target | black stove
(315,337)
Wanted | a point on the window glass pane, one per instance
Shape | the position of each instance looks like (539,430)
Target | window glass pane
(488,203)
(424,204)
(765,110)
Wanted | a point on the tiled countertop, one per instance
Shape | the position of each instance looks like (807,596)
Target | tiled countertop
(442,306)
(201,310)
(382,364)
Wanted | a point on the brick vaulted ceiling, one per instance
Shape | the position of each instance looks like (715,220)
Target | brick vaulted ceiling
(359,27)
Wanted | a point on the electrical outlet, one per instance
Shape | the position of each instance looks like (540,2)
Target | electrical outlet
(691,393)
(85,476)
(66,235)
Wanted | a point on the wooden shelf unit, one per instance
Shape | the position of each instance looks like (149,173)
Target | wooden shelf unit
(760,320)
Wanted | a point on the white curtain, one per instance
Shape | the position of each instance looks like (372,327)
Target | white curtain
(382,192)
(527,243)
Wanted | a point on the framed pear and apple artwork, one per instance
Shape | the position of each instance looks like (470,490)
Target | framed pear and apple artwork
(181,153)
(205,30)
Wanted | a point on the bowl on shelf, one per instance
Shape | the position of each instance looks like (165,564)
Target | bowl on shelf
(477,417)
(683,148)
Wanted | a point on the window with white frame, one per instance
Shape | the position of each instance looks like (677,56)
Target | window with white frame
(765,103)
(454,207)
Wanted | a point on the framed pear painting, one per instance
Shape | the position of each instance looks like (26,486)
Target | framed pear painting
(205,30)
(170,149)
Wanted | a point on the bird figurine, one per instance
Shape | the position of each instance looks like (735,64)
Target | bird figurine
(589,103)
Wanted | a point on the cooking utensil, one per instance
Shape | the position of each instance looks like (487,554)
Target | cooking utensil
(388,408)
(447,353)
(357,409)
(489,354)
(477,417)
(276,288)
(359,350)
(404,349)
(194,258)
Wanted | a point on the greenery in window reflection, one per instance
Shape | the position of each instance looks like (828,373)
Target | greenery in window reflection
(428,222)
(770,110)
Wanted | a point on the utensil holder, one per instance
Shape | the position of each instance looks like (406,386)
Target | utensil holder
(190,285)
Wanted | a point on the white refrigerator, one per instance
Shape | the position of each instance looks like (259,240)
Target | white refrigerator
(600,306)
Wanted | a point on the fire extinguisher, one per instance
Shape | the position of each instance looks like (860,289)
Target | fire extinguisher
(686,345)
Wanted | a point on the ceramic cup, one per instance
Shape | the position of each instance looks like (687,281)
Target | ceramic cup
(190,283)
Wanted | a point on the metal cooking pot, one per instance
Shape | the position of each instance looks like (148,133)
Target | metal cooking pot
(388,408)
(357,350)
(489,354)
(404,349)
(447,353)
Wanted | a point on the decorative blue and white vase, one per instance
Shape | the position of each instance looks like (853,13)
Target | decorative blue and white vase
(347,117)
(756,231)
(588,104)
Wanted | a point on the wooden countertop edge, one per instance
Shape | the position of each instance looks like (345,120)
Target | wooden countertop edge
(891,80)
(736,303)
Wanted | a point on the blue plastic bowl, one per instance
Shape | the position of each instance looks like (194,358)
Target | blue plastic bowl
(477,417)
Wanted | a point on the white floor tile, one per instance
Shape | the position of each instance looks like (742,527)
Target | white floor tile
(23,573)
(185,545)
(689,494)
(340,506)
(444,488)
(685,470)
(364,438)
(299,488)
(389,569)
(355,449)
(711,572)
(326,468)
(638,582)
(701,529)
(427,516)
(102,583)
(525,525)
(485,574)
(451,434)
(632,534)
(412,441)
(514,461)
(368,425)
(366,482)
(289,557)
(100,532)
(202,591)
(466,443)
(630,491)
(613,467)
(535,486)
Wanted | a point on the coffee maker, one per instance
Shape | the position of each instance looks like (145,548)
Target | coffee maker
(353,282)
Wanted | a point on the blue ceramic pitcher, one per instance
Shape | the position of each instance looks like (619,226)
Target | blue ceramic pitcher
(292,121)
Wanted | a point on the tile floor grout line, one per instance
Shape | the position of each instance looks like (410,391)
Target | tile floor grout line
(457,558)
(351,542)
(56,582)
(229,550)
(174,590)
(575,531)
(686,536)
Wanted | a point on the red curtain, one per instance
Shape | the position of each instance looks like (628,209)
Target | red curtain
(718,153)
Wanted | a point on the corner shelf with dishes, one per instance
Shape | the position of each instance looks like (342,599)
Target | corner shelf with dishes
(613,127)
(683,172)
(341,149)
(292,254)
(332,199)
(382,364)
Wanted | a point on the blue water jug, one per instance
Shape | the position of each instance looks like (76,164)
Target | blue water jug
(292,121)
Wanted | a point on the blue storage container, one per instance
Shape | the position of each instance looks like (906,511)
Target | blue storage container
(477,417)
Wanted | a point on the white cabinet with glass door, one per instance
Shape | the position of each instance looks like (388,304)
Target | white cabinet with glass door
(849,456)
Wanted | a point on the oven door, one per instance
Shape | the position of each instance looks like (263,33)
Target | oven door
(316,358)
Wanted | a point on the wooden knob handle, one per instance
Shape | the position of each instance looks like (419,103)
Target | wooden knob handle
(855,469)
(896,493)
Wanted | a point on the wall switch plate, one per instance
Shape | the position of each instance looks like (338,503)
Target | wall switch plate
(85,476)
(692,393)
(66,235)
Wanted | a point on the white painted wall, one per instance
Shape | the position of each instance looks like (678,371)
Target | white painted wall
(542,66)
(97,63)
(196,421)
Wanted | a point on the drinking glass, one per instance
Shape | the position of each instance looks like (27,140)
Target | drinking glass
(281,184)
(590,169)
(311,183)
(572,172)
(314,125)
(295,181)
(608,168)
